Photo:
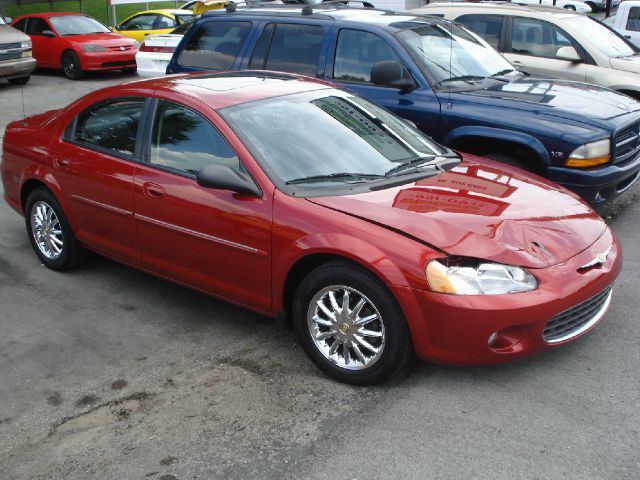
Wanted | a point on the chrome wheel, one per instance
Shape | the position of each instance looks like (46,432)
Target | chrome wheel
(47,231)
(346,327)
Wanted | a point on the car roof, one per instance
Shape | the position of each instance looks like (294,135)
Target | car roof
(51,14)
(167,11)
(390,19)
(225,89)
(505,7)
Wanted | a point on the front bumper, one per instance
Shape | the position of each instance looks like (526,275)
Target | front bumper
(456,329)
(597,185)
(20,67)
(112,60)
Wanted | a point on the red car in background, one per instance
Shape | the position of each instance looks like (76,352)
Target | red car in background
(76,43)
(297,199)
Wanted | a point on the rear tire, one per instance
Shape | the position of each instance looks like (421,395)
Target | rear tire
(363,341)
(71,65)
(129,71)
(49,232)
(19,80)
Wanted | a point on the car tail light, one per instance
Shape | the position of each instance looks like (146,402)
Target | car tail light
(145,48)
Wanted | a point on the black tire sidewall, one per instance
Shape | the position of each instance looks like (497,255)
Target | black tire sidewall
(76,59)
(66,259)
(397,339)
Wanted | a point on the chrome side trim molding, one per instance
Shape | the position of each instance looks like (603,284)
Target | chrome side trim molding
(204,236)
(101,205)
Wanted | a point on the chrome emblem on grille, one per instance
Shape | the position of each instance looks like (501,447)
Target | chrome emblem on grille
(599,260)
(122,48)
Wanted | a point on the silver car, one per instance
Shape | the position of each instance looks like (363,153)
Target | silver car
(551,42)
(16,61)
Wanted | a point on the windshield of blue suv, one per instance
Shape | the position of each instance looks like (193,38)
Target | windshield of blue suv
(329,137)
(452,57)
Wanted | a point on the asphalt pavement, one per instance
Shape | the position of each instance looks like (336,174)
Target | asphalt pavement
(109,373)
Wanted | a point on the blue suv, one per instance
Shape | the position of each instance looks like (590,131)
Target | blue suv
(445,79)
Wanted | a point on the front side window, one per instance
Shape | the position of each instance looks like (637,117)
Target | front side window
(356,53)
(489,27)
(633,21)
(601,37)
(77,25)
(140,22)
(113,126)
(184,141)
(163,22)
(295,49)
(537,38)
(21,24)
(215,45)
(326,133)
(37,26)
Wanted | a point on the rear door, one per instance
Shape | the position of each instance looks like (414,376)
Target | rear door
(353,53)
(214,240)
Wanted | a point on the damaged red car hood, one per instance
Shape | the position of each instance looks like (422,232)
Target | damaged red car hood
(483,209)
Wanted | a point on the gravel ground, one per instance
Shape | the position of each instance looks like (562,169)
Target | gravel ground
(106,372)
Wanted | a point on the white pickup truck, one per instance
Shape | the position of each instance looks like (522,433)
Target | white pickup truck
(627,20)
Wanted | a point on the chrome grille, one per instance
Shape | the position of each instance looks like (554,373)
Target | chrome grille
(10,51)
(627,142)
(122,48)
(576,320)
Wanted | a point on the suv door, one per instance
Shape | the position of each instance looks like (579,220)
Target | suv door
(533,44)
(353,54)
(214,240)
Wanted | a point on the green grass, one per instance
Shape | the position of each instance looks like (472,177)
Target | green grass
(94,8)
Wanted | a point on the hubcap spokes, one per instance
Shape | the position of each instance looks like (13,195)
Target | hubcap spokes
(346,327)
(47,231)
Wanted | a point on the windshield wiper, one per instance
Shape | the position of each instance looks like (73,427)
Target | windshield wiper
(461,78)
(332,176)
(413,165)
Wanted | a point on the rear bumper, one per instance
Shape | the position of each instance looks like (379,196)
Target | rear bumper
(597,185)
(20,67)
(108,60)
(456,329)
(152,64)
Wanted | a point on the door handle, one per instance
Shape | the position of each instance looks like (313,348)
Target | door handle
(152,189)
(62,162)
(517,64)
(628,36)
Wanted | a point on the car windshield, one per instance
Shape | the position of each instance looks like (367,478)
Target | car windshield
(2,22)
(327,136)
(449,55)
(77,25)
(603,38)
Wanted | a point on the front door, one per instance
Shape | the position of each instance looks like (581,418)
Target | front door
(214,240)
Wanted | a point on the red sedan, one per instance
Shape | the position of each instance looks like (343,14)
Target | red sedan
(297,199)
(76,44)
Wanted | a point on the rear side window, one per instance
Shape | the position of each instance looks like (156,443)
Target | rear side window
(489,27)
(112,126)
(185,141)
(295,49)
(357,52)
(633,22)
(215,45)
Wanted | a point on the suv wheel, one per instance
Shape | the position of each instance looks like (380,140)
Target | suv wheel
(350,325)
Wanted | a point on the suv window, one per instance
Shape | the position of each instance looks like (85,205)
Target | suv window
(489,27)
(21,24)
(36,26)
(215,45)
(633,21)
(140,22)
(295,49)
(185,141)
(536,37)
(111,126)
(357,51)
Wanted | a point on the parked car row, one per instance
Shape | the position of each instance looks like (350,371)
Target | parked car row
(370,233)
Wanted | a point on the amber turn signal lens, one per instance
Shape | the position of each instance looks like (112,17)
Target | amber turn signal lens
(587,162)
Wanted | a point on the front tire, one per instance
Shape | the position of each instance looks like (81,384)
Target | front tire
(350,325)
(570,7)
(129,71)
(19,80)
(49,232)
(71,65)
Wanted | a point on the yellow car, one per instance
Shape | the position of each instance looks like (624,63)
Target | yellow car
(152,22)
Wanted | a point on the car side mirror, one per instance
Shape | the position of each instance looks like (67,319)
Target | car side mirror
(48,34)
(8,20)
(392,74)
(568,53)
(222,177)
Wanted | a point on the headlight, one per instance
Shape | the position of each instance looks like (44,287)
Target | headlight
(136,44)
(91,47)
(25,44)
(590,154)
(474,277)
